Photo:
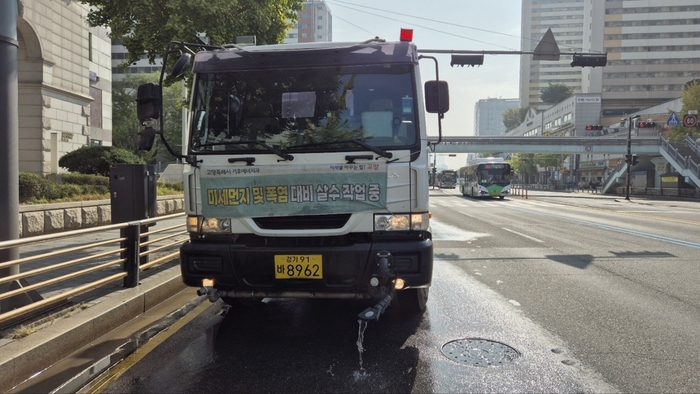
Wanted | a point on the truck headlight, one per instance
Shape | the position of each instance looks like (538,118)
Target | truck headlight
(401,222)
(198,224)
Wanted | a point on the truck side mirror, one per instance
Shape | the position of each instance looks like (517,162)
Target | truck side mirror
(180,65)
(148,137)
(148,102)
(437,92)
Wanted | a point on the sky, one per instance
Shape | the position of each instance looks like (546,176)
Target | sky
(445,24)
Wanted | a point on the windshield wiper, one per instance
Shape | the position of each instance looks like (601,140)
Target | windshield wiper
(276,151)
(379,151)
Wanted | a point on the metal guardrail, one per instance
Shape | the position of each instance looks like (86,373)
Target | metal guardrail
(694,145)
(95,263)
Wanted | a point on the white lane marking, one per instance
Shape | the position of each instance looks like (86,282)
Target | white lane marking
(616,229)
(446,232)
(514,302)
(451,203)
(523,235)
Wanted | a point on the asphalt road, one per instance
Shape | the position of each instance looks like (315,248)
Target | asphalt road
(561,292)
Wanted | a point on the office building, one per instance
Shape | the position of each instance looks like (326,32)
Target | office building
(488,116)
(143,66)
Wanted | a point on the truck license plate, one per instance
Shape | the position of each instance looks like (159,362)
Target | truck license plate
(298,266)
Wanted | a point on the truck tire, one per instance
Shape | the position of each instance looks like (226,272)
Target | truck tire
(412,301)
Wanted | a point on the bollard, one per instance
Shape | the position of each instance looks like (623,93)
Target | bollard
(131,254)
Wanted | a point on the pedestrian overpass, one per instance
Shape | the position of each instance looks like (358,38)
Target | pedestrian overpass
(648,146)
(643,146)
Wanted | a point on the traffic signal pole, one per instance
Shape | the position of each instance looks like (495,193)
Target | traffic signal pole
(628,157)
(547,49)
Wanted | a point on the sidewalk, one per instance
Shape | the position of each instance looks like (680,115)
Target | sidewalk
(587,197)
(84,319)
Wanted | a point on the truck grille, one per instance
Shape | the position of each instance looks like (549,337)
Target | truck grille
(303,222)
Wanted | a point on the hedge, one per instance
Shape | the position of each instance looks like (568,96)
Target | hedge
(36,188)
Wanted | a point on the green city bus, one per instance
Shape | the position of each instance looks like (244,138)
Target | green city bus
(485,177)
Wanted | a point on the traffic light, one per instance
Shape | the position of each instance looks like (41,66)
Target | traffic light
(647,125)
(589,60)
(467,60)
(634,159)
(594,127)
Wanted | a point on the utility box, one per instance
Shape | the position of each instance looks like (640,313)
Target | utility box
(133,192)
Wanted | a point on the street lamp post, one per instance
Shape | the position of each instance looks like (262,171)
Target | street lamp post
(628,158)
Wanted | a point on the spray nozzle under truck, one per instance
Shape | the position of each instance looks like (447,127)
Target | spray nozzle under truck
(306,171)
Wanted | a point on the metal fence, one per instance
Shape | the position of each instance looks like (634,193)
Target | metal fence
(521,190)
(55,268)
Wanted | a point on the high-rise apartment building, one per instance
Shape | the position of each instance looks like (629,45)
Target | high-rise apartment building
(488,116)
(566,19)
(653,50)
(315,24)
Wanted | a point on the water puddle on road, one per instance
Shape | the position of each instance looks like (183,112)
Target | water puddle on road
(362,373)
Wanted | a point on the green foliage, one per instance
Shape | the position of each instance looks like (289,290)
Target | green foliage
(85,179)
(170,188)
(513,117)
(127,126)
(147,26)
(30,185)
(97,159)
(555,93)
(548,160)
(36,188)
(523,163)
(691,101)
(89,184)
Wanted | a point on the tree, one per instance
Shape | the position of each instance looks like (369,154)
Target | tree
(513,117)
(127,126)
(524,164)
(147,26)
(555,93)
(691,101)
(97,159)
(549,160)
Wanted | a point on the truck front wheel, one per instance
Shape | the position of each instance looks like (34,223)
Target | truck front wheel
(412,301)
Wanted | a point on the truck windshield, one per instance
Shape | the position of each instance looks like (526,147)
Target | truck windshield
(304,108)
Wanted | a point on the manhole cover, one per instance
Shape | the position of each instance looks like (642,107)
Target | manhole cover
(479,352)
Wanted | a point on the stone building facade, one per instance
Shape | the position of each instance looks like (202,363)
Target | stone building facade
(64,83)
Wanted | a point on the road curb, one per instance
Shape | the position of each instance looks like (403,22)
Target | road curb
(23,358)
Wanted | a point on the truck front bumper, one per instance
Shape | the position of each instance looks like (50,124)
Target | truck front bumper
(347,269)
